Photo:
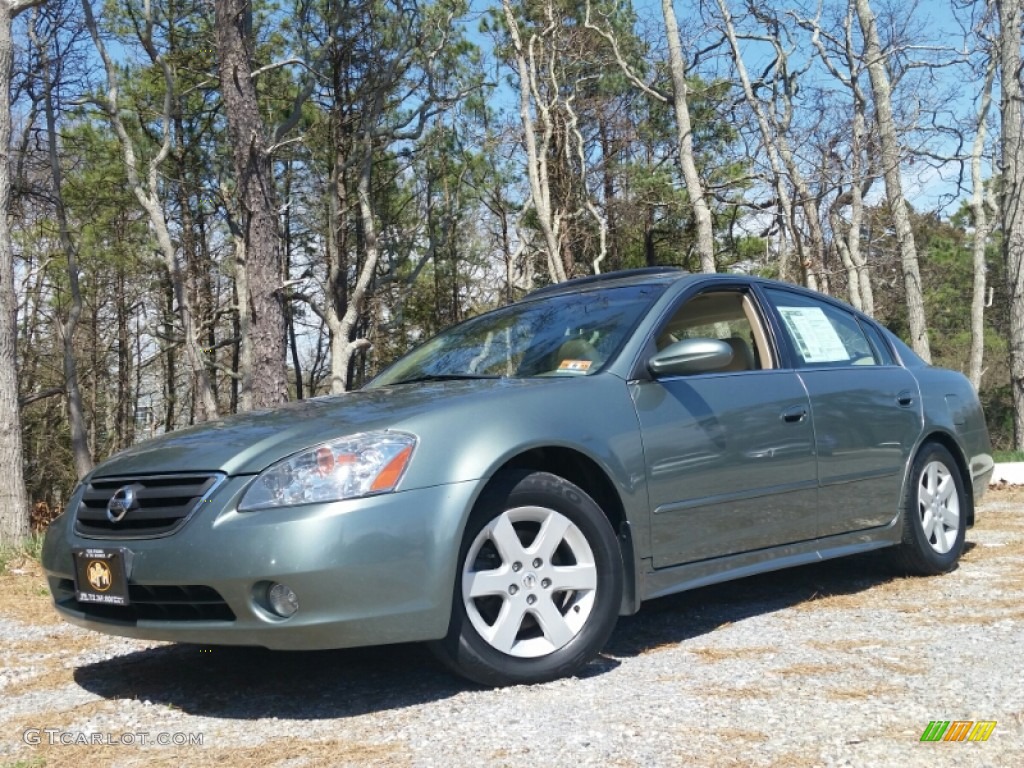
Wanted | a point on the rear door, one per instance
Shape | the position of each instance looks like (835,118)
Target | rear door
(866,410)
(729,454)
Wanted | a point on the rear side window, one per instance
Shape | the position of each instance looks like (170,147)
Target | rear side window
(882,351)
(822,335)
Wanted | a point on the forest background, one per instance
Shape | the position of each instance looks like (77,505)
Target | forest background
(210,206)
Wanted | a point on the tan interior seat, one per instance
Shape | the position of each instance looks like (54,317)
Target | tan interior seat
(578,349)
(742,355)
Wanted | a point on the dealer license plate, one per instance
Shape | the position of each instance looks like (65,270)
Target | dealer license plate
(100,576)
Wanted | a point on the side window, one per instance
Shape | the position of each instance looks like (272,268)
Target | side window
(725,315)
(882,351)
(822,335)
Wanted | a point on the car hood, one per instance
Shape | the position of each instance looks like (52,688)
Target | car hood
(248,443)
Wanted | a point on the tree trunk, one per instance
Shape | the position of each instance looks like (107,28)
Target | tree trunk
(536,158)
(336,304)
(1013,198)
(258,197)
(982,227)
(684,131)
(170,360)
(13,496)
(341,358)
(292,342)
(126,397)
(80,452)
(857,186)
(243,393)
(889,141)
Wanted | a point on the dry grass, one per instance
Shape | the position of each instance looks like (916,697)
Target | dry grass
(742,692)
(900,667)
(1012,548)
(54,718)
(838,602)
(52,676)
(659,647)
(26,594)
(57,642)
(291,751)
(869,691)
(806,669)
(730,735)
(727,654)
(842,645)
(797,760)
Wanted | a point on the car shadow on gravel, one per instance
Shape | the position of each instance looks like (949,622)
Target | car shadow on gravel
(252,683)
(687,615)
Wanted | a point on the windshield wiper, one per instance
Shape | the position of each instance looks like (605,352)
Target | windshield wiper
(444,377)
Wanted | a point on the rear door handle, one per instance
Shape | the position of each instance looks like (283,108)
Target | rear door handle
(794,414)
(905,398)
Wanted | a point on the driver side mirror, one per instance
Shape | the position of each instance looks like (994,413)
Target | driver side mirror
(690,356)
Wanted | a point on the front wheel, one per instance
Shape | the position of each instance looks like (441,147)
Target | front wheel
(935,509)
(539,583)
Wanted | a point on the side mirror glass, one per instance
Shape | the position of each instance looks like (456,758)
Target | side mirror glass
(690,356)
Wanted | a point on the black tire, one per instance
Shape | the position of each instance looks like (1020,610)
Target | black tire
(514,597)
(935,509)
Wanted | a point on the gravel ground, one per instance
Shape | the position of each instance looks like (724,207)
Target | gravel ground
(838,664)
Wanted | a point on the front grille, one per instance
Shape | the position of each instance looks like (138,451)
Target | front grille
(156,603)
(161,504)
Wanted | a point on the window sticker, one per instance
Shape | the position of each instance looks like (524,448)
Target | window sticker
(575,365)
(814,335)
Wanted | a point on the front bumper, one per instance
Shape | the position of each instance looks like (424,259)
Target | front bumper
(366,571)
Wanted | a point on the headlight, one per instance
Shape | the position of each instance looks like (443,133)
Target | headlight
(353,466)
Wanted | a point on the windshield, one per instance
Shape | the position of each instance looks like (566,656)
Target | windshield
(568,335)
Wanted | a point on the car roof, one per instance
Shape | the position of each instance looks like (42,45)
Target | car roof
(642,276)
(668,275)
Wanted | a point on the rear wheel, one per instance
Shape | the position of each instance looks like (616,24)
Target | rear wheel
(539,583)
(935,508)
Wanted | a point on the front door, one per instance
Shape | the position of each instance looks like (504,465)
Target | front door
(729,454)
(730,463)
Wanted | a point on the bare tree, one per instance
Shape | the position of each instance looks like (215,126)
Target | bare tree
(76,415)
(774,128)
(852,174)
(147,191)
(684,133)
(679,99)
(536,156)
(13,499)
(981,205)
(888,139)
(377,55)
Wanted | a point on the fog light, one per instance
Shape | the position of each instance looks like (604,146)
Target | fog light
(283,601)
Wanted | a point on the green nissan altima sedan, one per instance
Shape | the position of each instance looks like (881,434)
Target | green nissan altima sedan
(508,489)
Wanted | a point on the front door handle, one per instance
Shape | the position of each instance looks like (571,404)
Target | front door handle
(905,398)
(794,414)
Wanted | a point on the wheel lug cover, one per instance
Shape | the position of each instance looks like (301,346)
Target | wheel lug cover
(517,566)
(513,589)
(545,583)
(537,562)
(531,599)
